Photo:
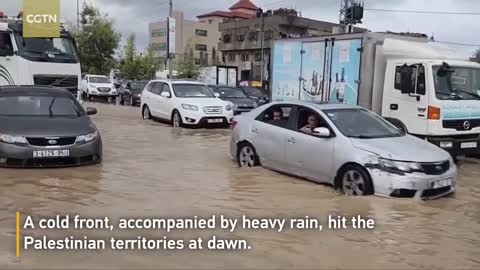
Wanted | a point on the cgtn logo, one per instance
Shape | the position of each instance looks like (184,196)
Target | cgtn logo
(42,18)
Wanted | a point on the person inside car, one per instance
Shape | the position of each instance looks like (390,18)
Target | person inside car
(277,115)
(312,123)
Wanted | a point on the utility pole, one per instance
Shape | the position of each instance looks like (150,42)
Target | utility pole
(261,51)
(351,13)
(169,58)
(78,15)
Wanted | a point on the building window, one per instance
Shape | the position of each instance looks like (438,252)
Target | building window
(253,35)
(245,57)
(241,37)
(197,61)
(231,57)
(258,56)
(227,38)
(200,32)
(200,47)
(210,21)
(159,33)
(159,46)
(268,34)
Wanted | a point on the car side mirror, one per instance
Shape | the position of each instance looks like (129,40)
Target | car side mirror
(217,94)
(91,111)
(322,132)
(165,95)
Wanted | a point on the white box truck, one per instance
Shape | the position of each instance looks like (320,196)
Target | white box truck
(420,86)
(37,61)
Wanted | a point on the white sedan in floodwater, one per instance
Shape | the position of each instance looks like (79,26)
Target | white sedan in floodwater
(350,147)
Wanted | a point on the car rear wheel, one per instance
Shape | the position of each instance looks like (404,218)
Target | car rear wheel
(247,156)
(177,119)
(355,181)
(146,113)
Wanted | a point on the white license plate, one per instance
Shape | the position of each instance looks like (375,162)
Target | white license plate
(441,183)
(215,121)
(469,145)
(51,153)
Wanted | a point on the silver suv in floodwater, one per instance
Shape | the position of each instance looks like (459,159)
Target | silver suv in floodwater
(350,147)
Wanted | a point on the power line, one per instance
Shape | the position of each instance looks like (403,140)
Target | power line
(456,43)
(423,12)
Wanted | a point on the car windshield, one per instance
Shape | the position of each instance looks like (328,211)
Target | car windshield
(99,80)
(192,91)
(39,105)
(252,91)
(137,85)
(226,92)
(60,49)
(457,83)
(361,123)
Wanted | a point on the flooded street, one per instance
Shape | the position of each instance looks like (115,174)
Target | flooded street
(151,170)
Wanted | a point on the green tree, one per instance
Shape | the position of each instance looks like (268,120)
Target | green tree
(97,41)
(476,56)
(186,67)
(137,67)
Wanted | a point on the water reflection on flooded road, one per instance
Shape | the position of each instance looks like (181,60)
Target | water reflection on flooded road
(151,170)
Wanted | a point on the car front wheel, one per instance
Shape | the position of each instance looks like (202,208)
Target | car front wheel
(247,156)
(177,119)
(146,113)
(355,181)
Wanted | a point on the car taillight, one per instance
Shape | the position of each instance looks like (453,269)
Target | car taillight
(433,113)
(234,124)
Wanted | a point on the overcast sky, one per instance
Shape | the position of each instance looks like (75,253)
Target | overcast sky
(132,16)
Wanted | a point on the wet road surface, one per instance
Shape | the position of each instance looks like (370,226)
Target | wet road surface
(151,170)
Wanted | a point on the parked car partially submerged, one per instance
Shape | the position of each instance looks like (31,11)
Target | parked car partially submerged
(257,94)
(242,103)
(350,147)
(132,92)
(45,127)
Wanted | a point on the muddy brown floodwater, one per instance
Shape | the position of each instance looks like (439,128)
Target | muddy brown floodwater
(151,170)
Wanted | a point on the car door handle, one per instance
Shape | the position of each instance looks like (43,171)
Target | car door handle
(292,140)
(255,130)
(393,107)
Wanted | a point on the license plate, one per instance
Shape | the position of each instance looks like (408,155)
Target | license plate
(215,121)
(51,153)
(469,145)
(442,183)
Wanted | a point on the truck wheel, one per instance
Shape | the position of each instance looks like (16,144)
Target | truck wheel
(355,181)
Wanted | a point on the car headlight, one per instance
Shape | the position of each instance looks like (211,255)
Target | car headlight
(93,86)
(190,107)
(229,107)
(12,139)
(403,166)
(87,137)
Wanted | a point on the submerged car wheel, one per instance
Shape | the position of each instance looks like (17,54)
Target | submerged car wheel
(177,119)
(355,181)
(146,113)
(247,156)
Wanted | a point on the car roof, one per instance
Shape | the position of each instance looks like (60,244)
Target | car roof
(178,81)
(31,89)
(319,105)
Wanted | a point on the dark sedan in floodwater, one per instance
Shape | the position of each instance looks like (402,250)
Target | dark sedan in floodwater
(242,103)
(46,127)
(132,91)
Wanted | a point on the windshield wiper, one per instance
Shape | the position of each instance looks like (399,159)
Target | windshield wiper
(452,95)
(50,107)
(466,92)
